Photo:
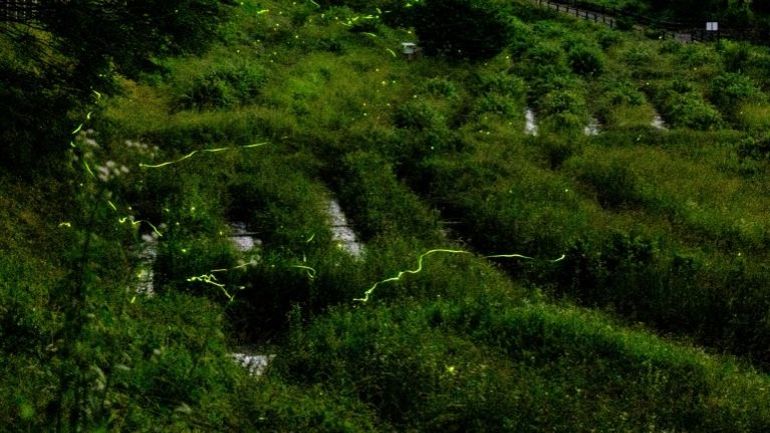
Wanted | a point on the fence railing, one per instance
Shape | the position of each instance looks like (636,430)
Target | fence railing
(579,12)
(667,29)
(19,10)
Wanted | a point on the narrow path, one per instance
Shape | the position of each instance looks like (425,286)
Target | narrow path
(530,122)
(342,234)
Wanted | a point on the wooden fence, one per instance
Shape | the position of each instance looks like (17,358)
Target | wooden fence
(573,9)
(612,17)
(19,11)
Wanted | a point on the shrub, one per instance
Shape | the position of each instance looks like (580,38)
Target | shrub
(557,149)
(614,183)
(691,111)
(418,115)
(608,38)
(616,92)
(221,87)
(379,202)
(521,37)
(729,90)
(563,110)
(585,60)
(440,87)
(736,56)
(758,150)
(683,106)
(502,84)
(543,54)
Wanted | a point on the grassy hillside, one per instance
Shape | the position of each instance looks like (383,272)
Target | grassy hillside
(641,305)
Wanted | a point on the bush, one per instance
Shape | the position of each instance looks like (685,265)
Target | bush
(585,60)
(683,106)
(440,87)
(563,110)
(614,183)
(521,37)
(380,203)
(558,149)
(419,116)
(221,87)
(690,111)
(729,90)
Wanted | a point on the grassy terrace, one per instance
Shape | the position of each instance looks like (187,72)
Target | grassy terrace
(656,319)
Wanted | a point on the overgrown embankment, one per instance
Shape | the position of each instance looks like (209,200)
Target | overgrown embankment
(661,232)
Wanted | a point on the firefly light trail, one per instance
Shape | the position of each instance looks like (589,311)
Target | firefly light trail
(211,278)
(191,154)
(401,274)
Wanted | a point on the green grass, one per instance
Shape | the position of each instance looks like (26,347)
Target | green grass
(654,320)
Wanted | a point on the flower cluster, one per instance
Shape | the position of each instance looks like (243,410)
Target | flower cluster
(110,170)
(142,148)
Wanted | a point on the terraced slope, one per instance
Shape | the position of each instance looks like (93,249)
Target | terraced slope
(641,304)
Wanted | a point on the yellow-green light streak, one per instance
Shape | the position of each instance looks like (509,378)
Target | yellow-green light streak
(134,223)
(191,154)
(211,279)
(371,290)
(419,268)
(311,273)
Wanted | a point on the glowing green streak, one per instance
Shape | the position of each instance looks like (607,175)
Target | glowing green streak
(65,224)
(392,53)
(251,146)
(245,265)
(191,154)
(152,226)
(134,223)
(311,273)
(370,34)
(401,274)
(88,168)
(513,256)
(316,4)
(211,279)
(263,11)
(369,292)
(77,129)
(112,205)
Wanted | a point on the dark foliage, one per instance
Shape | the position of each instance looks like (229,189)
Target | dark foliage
(54,61)
(462,29)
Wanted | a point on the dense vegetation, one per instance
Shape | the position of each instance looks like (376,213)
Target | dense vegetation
(655,319)
(60,55)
